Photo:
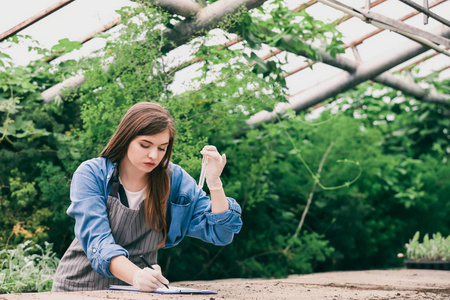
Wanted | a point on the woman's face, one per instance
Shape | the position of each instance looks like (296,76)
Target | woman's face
(145,152)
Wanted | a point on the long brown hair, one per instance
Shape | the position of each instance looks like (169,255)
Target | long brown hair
(146,118)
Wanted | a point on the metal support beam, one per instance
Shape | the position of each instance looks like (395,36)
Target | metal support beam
(52,92)
(69,85)
(88,37)
(425,16)
(338,62)
(34,19)
(185,8)
(343,82)
(404,18)
(413,89)
(368,16)
(206,19)
(427,12)
(403,27)
(355,42)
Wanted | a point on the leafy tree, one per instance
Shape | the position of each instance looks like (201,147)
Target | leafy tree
(30,134)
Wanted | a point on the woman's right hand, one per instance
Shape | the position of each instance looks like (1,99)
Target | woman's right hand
(148,280)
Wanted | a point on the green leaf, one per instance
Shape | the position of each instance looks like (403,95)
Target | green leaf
(65,46)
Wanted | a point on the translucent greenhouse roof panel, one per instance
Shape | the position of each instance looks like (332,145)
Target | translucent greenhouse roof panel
(373,46)
(373,43)
(74,20)
(14,12)
(386,39)
(77,19)
(369,43)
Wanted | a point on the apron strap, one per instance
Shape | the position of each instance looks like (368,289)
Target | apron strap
(117,188)
(123,196)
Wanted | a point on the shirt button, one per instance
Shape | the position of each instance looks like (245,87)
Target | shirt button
(108,176)
(94,250)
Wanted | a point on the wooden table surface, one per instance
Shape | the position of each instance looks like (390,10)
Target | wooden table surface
(373,284)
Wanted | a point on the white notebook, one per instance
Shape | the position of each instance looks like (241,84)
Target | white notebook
(170,290)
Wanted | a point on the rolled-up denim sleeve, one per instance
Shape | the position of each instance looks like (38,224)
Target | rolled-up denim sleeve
(92,228)
(215,228)
(230,219)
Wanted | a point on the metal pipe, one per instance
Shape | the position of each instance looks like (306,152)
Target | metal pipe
(69,85)
(427,12)
(413,89)
(88,37)
(425,16)
(348,17)
(55,92)
(402,28)
(415,63)
(206,19)
(185,8)
(34,19)
(344,81)
(305,5)
(359,40)
(404,18)
(388,23)
(298,69)
(419,39)
(339,61)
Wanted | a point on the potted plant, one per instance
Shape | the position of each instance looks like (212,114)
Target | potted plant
(432,253)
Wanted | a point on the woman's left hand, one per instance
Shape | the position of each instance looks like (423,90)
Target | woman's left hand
(216,163)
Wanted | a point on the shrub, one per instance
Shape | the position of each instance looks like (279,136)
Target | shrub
(28,267)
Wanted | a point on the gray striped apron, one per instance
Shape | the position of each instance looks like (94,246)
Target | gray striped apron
(129,230)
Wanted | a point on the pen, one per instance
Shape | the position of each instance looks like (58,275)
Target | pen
(150,266)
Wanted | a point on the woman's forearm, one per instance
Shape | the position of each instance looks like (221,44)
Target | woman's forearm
(219,202)
(122,268)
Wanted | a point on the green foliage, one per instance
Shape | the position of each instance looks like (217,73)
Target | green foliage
(288,30)
(27,268)
(436,248)
(29,135)
(66,46)
(407,188)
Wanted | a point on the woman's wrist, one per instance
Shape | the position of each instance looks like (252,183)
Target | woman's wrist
(122,268)
(215,184)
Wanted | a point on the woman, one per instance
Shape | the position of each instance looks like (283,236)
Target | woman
(131,201)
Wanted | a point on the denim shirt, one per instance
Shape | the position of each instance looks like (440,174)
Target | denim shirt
(188,213)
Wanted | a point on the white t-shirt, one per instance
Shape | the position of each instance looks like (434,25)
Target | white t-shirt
(135,198)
